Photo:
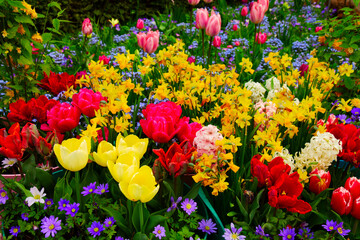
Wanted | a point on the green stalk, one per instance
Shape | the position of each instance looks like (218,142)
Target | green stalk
(77,183)
(209,54)
(203,42)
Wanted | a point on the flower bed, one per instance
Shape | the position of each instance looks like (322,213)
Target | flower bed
(238,124)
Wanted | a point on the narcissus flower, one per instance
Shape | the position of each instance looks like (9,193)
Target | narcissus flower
(140,186)
(73,153)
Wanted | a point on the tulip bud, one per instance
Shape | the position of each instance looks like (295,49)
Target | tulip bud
(202,18)
(355,211)
(43,147)
(140,24)
(87,27)
(217,41)
(257,13)
(265,3)
(214,24)
(317,29)
(191,59)
(105,60)
(353,185)
(244,11)
(319,181)
(304,68)
(235,27)
(261,38)
(237,43)
(193,2)
(341,201)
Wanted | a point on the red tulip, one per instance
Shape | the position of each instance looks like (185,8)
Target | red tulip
(87,101)
(62,117)
(56,83)
(235,27)
(31,135)
(341,201)
(355,211)
(217,41)
(352,184)
(12,145)
(261,38)
(20,111)
(187,131)
(319,181)
(202,18)
(260,171)
(304,68)
(140,24)
(34,49)
(244,11)
(213,26)
(257,13)
(104,59)
(87,27)
(317,29)
(177,158)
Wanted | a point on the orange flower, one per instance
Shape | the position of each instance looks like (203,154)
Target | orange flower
(21,29)
(37,38)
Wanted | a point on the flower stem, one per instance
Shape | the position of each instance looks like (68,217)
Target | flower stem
(203,43)
(77,183)
(209,54)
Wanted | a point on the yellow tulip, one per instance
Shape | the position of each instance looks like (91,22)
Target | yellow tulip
(140,186)
(126,165)
(131,143)
(106,152)
(73,153)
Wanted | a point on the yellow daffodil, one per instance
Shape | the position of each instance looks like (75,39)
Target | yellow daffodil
(140,186)
(106,152)
(126,165)
(131,143)
(73,153)
(114,22)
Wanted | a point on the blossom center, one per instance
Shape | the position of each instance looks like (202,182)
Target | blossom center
(73,210)
(3,194)
(289,236)
(109,222)
(96,229)
(51,227)
(331,228)
(102,190)
(188,206)
(234,236)
(159,231)
(90,190)
(207,228)
(37,197)
(15,230)
(340,230)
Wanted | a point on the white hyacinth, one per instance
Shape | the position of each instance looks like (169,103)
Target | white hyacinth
(288,158)
(273,84)
(257,90)
(319,153)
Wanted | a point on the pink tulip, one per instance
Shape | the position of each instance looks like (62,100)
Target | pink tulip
(235,27)
(237,43)
(87,27)
(105,60)
(250,6)
(141,38)
(257,13)
(202,18)
(317,29)
(261,38)
(193,2)
(148,42)
(244,11)
(214,24)
(208,1)
(265,3)
(217,41)
(191,59)
(140,24)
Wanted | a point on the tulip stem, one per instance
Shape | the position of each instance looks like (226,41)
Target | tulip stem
(203,43)
(254,40)
(355,226)
(209,54)
(77,186)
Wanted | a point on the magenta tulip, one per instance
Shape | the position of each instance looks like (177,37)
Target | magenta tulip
(87,27)
(217,41)
(261,38)
(244,11)
(140,24)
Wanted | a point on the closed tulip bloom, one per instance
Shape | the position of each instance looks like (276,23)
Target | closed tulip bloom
(214,24)
(318,28)
(63,117)
(140,186)
(261,38)
(124,167)
(87,101)
(217,41)
(131,143)
(244,11)
(152,41)
(140,24)
(319,181)
(208,1)
(105,152)
(257,13)
(355,211)
(87,27)
(141,38)
(341,201)
(202,18)
(265,3)
(193,2)
(353,185)
(73,153)
(235,27)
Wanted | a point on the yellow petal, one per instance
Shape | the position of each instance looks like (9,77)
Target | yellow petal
(149,195)
(74,160)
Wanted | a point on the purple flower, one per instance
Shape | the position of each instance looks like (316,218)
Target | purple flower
(189,206)
(72,209)
(159,231)
(233,233)
(330,225)
(306,233)
(102,188)
(109,222)
(50,225)
(63,204)
(24,216)
(89,189)
(48,203)
(207,226)
(174,204)
(355,111)
(14,230)
(3,196)
(287,233)
(120,238)
(260,231)
(343,232)
(95,229)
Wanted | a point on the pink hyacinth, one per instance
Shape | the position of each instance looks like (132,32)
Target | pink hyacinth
(205,140)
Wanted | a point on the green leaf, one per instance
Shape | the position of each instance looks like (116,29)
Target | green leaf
(231,214)
(54,4)
(12,32)
(193,191)
(1,14)
(62,190)
(46,179)
(140,236)
(355,38)
(349,83)
(255,206)
(153,221)
(120,220)
(26,45)
(56,23)
(46,68)
(140,216)
(25,61)
(242,209)
(24,19)
(46,37)
(16,4)
(26,192)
